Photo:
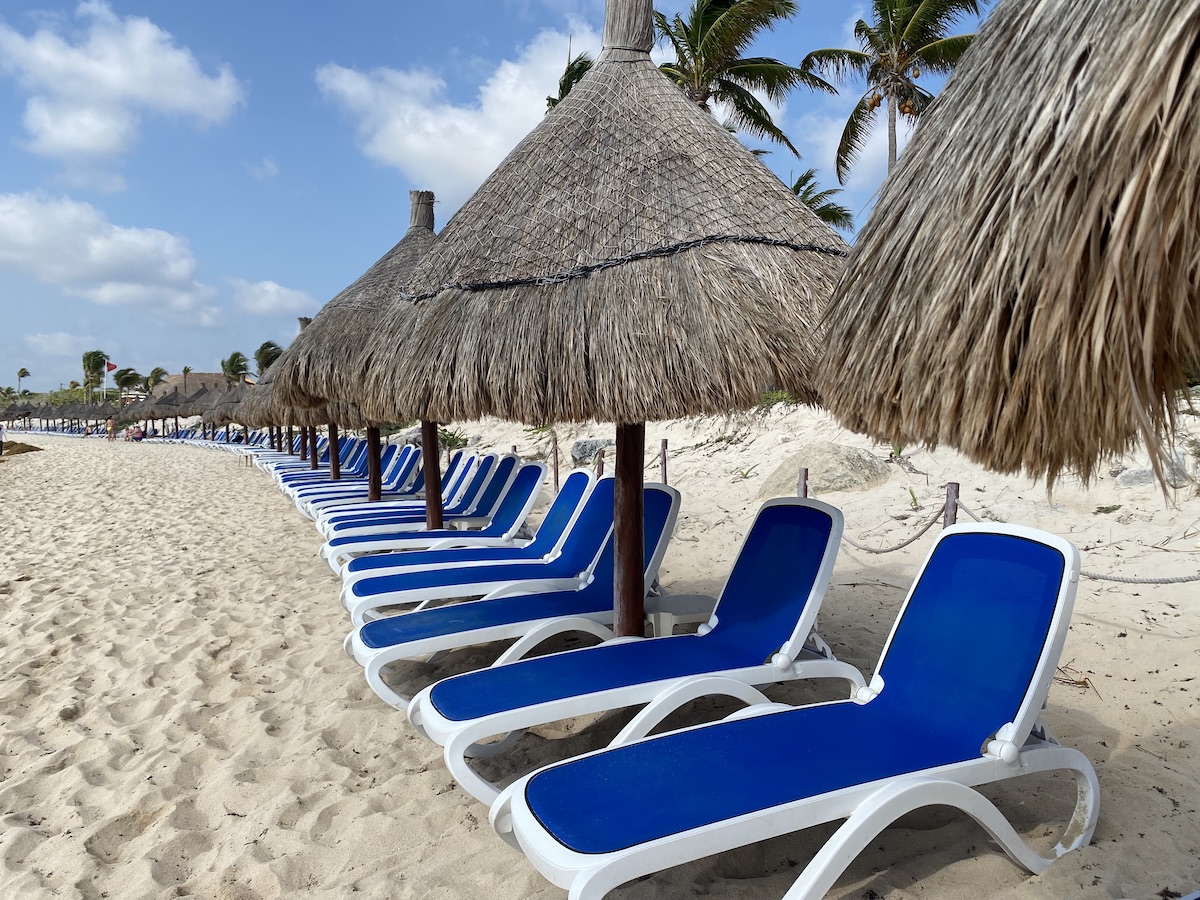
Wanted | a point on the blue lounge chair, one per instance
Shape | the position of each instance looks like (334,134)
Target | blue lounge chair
(763,630)
(954,703)
(401,479)
(571,568)
(496,540)
(525,610)
(455,480)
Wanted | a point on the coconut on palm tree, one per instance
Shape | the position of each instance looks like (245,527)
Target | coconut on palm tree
(904,40)
(235,366)
(709,42)
(267,353)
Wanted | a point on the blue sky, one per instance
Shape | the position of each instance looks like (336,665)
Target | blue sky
(181,180)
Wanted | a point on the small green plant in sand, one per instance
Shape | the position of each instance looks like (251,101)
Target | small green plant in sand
(538,430)
(452,440)
(769,399)
(1101,510)
(744,474)
(913,501)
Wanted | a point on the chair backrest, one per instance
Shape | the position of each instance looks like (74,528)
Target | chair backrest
(518,498)
(403,468)
(561,515)
(472,487)
(770,600)
(661,508)
(488,499)
(977,641)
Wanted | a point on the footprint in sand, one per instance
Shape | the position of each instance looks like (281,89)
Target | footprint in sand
(106,844)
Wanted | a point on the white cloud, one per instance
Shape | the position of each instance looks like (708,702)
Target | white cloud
(88,90)
(72,245)
(266,298)
(405,119)
(59,343)
(265,169)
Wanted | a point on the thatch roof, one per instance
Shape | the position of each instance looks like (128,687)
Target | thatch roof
(225,407)
(261,408)
(628,261)
(1027,287)
(326,361)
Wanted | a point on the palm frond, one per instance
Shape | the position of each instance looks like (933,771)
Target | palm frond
(942,56)
(748,114)
(854,137)
(839,64)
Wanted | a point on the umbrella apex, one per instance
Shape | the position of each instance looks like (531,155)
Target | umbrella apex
(421,215)
(629,25)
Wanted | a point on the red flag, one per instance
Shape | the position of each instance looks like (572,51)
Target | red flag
(109,366)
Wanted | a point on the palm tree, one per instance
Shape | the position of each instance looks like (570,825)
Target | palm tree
(125,380)
(906,38)
(187,370)
(267,353)
(821,202)
(576,69)
(94,367)
(8,395)
(236,366)
(21,373)
(710,68)
(156,377)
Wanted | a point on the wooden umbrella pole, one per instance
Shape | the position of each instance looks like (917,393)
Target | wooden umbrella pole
(312,447)
(303,443)
(629,530)
(291,439)
(335,464)
(374,466)
(433,475)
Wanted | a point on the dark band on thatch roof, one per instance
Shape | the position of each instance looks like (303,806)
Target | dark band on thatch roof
(1037,306)
(325,362)
(705,276)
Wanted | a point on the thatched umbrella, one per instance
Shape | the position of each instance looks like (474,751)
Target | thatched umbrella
(629,261)
(1027,287)
(326,361)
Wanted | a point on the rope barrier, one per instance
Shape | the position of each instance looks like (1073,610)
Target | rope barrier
(1099,576)
(913,539)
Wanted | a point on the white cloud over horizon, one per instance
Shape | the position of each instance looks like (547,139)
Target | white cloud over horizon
(267,298)
(59,343)
(405,120)
(87,91)
(73,246)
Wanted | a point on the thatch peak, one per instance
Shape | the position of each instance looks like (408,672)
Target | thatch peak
(629,25)
(421,211)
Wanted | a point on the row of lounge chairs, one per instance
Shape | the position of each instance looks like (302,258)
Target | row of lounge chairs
(955,701)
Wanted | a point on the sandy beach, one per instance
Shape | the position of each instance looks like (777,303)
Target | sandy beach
(178,719)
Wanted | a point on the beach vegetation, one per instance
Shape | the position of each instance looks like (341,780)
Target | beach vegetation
(95,363)
(8,394)
(452,440)
(709,40)
(235,366)
(126,380)
(186,371)
(22,373)
(267,353)
(904,40)
(821,201)
(767,399)
(156,377)
(576,69)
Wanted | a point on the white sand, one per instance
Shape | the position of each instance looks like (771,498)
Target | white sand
(177,717)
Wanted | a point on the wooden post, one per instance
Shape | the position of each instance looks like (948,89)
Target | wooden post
(335,464)
(291,441)
(663,461)
(629,530)
(433,475)
(374,466)
(514,449)
(802,483)
(313,462)
(554,457)
(303,443)
(951,514)
(600,461)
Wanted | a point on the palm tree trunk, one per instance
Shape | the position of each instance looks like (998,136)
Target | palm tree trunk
(891,133)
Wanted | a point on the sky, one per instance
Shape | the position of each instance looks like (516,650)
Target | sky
(182,180)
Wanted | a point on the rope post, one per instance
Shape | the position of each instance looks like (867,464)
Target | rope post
(802,483)
(663,460)
(951,514)
(600,463)
(554,457)
(514,449)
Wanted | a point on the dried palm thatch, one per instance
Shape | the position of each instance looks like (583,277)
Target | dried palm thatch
(326,361)
(225,407)
(261,408)
(628,261)
(1027,288)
